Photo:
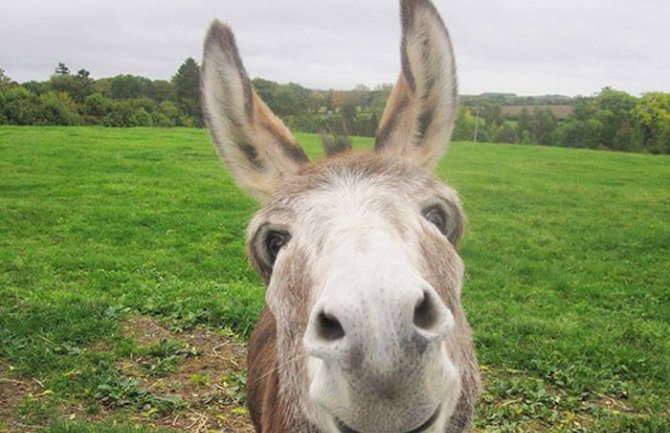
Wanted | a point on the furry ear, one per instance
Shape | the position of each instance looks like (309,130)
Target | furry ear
(420,113)
(253,143)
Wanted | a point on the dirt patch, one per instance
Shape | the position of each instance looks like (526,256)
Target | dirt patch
(209,378)
(145,330)
(13,391)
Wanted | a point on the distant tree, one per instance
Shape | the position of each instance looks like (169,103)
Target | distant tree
(465,124)
(506,133)
(491,112)
(129,86)
(162,90)
(360,96)
(5,81)
(613,108)
(140,117)
(187,88)
(652,117)
(372,125)
(605,120)
(83,74)
(379,96)
(149,105)
(77,86)
(543,126)
(56,109)
(266,90)
(525,125)
(349,114)
(97,107)
(574,132)
(19,106)
(316,101)
(120,114)
(36,87)
(61,69)
(103,86)
(167,114)
(337,100)
(291,99)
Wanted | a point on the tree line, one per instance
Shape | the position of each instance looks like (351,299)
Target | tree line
(611,119)
(121,101)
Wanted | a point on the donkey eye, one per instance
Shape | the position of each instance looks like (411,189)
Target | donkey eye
(265,246)
(275,241)
(437,216)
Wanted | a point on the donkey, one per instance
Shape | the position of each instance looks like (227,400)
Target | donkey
(363,329)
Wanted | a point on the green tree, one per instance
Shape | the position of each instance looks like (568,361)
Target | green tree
(524,126)
(360,96)
(19,106)
(61,69)
(316,101)
(464,129)
(506,133)
(129,86)
(349,113)
(380,95)
(187,88)
(578,133)
(5,81)
(103,86)
(77,86)
(170,111)
(491,112)
(291,100)
(162,90)
(652,117)
(613,109)
(119,114)
(266,90)
(96,107)
(140,117)
(55,109)
(542,126)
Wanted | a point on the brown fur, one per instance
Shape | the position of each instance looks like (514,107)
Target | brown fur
(266,406)
(267,396)
(268,162)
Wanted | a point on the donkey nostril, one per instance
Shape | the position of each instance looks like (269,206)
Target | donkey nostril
(425,313)
(329,328)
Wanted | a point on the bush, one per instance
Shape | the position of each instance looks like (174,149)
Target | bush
(19,106)
(506,134)
(54,109)
(119,115)
(578,133)
(97,105)
(140,117)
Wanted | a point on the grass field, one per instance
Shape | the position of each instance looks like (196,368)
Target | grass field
(125,296)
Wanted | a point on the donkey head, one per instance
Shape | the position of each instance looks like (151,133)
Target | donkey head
(367,332)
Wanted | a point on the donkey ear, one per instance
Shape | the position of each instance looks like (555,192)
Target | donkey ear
(420,113)
(253,143)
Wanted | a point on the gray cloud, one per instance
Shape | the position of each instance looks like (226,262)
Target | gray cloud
(521,46)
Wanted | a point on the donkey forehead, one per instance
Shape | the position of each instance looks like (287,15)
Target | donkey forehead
(354,189)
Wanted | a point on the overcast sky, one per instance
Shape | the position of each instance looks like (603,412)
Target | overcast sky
(526,47)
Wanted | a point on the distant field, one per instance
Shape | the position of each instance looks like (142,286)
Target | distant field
(125,295)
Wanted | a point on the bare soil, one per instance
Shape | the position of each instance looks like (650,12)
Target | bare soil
(202,380)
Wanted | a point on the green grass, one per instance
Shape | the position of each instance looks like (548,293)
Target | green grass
(567,284)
